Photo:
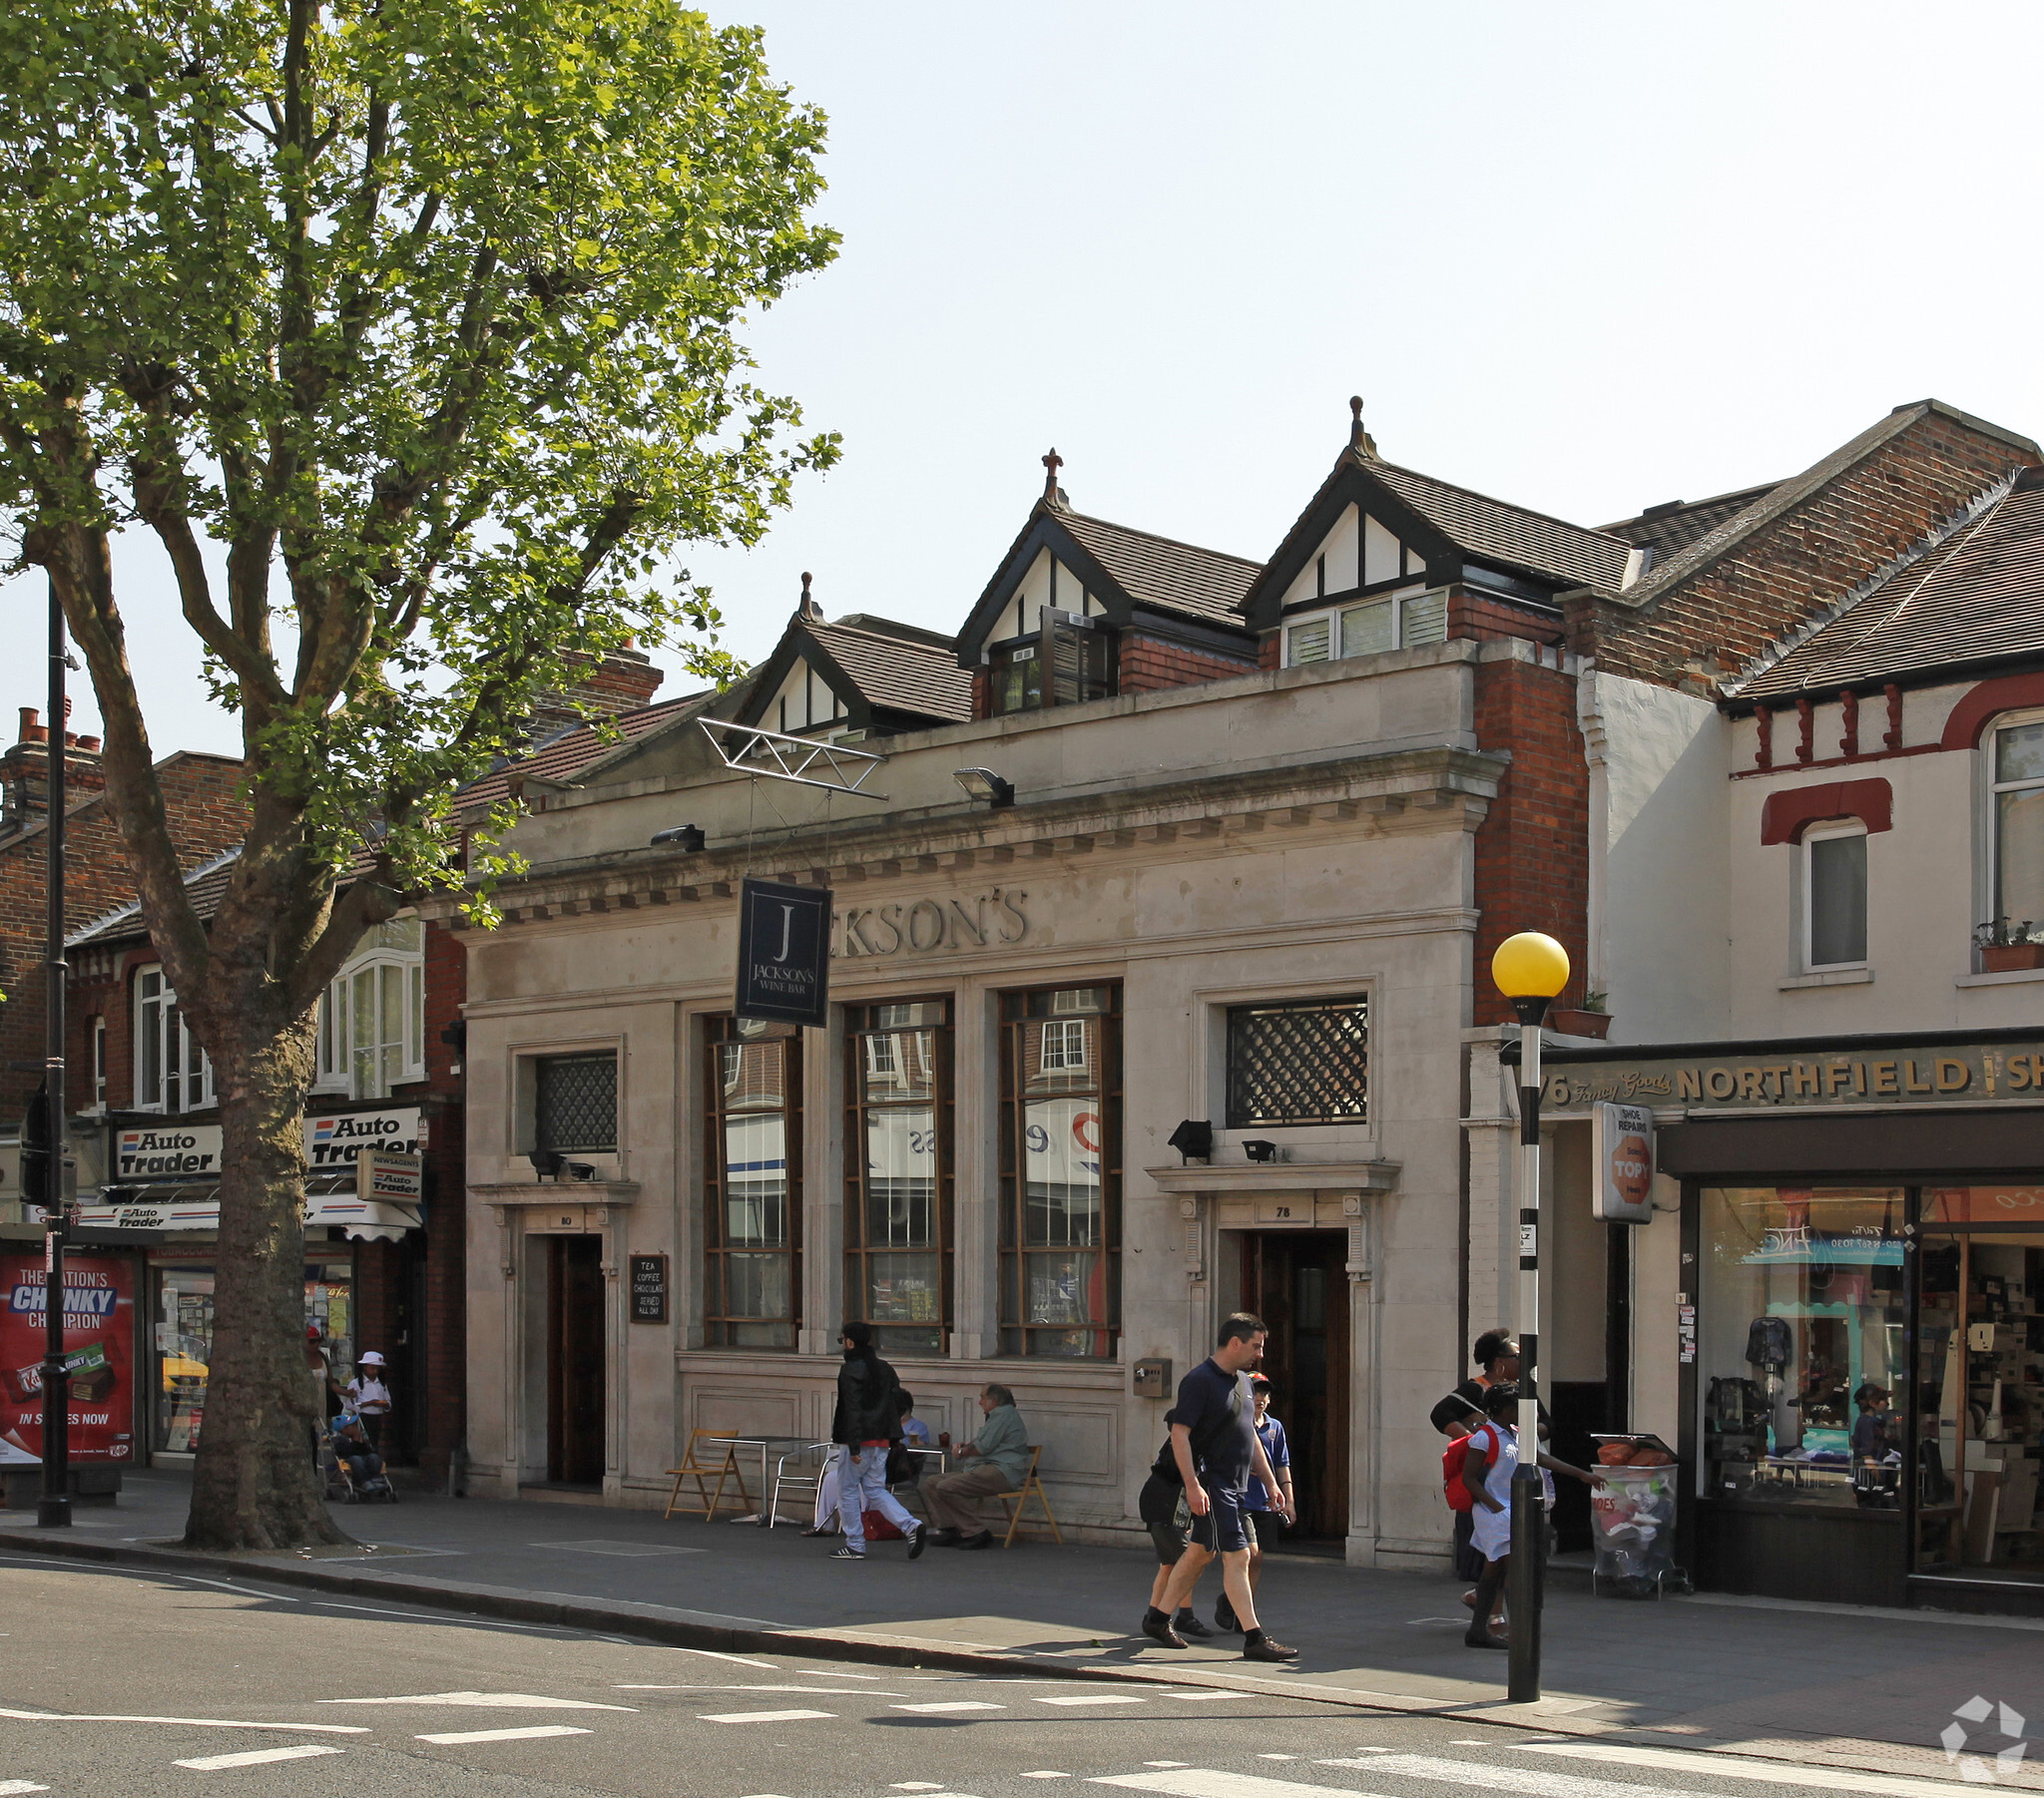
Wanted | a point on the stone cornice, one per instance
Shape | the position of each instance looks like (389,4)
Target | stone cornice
(1233,1178)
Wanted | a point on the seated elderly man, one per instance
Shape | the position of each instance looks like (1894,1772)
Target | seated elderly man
(995,1462)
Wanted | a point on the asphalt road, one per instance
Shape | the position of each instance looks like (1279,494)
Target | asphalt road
(137,1684)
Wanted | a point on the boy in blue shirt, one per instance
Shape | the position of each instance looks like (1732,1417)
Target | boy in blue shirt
(1267,1525)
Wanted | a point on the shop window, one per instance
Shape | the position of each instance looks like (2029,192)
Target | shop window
(1834,896)
(1301,1060)
(372,1018)
(575,1102)
(752,1187)
(1803,1345)
(1066,663)
(898,1187)
(172,1072)
(2017,781)
(1395,622)
(1060,1171)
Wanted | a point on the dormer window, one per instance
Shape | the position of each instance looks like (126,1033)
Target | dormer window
(1065,663)
(1397,621)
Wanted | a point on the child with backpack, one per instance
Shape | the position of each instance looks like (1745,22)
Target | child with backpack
(1489,1456)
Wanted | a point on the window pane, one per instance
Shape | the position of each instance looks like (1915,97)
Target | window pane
(1299,1064)
(150,1029)
(416,1018)
(392,982)
(1061,1181)
(756,1286)
(901,1178)
(173,1048)
(2019,753)
(903,1289)
(1837,900)
(2019,855)
(1307,643)
(1366,628)
(576,1101)
(756,1181)
(1426,619)
(900,1064)
(754,1075)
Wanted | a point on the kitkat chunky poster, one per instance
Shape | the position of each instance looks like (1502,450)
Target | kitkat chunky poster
(98,1355)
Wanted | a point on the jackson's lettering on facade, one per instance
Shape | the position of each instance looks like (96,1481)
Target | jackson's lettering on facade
(1959,1073)
(922,925)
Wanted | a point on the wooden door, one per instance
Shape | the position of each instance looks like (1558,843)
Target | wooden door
(1297,1282)
(575,1352)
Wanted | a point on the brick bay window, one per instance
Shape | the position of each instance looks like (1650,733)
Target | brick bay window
(1061,1172)
(1298,1061)
(373,1019)
(172,1072)
(897,1173)
(575,1102)
(752,1184)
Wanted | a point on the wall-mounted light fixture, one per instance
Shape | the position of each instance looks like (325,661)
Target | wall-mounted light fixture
(685,837)
(984,783)
(1193,1140)
(579,1171)
(1258,1149)
(547,1163)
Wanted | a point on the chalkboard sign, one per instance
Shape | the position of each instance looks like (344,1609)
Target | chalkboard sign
(649,1289)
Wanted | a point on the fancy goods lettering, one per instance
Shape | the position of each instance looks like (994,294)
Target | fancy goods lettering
(1818,1081)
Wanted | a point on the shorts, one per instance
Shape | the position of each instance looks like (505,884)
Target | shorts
(1224,1530)
(1266,1527)
(1158,1507)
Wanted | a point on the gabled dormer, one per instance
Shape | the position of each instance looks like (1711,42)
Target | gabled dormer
(1383,558)
(1082,609)
(858,676)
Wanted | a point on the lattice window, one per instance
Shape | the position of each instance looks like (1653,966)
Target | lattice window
(1300,1062)
(576,1101)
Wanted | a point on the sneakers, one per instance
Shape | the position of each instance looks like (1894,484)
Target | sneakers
(1156,1626)
(1266,1649)
(1186,1624)
(1224,1620)
(846,1554)
(915,1541)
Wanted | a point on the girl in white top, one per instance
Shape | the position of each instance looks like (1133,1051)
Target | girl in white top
(369,1397)
(1487,1471)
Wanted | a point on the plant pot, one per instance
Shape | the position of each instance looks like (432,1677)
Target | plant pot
(1580,1024)
(2008,958)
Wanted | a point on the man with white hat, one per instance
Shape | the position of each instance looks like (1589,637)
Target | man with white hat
(368,1398)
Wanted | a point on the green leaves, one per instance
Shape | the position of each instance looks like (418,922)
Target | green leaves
(428,313)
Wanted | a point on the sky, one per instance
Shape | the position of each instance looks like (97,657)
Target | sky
(1586,258)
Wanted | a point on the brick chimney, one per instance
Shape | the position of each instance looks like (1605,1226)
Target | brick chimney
(624,681)
(25,772)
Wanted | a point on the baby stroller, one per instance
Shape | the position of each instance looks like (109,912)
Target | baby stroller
(354,1472)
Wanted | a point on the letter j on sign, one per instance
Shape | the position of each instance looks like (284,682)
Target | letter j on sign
(783,953)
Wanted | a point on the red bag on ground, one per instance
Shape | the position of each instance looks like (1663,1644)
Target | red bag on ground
(878,1528)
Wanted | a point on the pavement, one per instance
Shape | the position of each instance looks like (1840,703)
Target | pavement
(173,1682)
(1819,1686)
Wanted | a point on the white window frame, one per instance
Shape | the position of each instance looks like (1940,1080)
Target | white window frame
(148,1014)
(1829,831)
(99,1062)
(337,1065)
(1067,1034)
(1338,650)
(1993,789)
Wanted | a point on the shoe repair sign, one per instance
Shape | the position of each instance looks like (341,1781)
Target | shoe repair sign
(1622,1151)
(98,1355)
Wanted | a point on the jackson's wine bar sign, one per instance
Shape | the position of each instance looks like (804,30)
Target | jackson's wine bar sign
(1763,1076)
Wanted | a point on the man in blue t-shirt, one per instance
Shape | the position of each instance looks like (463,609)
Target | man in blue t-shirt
(1214,1449)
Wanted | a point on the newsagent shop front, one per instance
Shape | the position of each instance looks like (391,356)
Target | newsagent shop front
(1860,1312)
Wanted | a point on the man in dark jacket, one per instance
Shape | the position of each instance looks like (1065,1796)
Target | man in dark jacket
(866,1423)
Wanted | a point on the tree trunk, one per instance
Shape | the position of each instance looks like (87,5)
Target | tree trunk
(254,1484)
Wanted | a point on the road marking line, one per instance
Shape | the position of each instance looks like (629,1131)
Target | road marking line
(742,1660)
(835,1691)
(1114,1698)
(944,1704)
(531,1734)
(831,1673)
(488,1701)
(1721,1766)
(1209,1698)
(1166,1763)
(1477,1776)
(255,1757)
(915,1785)
(9,1788)
(763,1716)
(53,1716)
(1204,1782)
(1277,1757)
(1044,1773)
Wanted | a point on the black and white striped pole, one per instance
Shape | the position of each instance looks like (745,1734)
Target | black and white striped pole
(1530,970)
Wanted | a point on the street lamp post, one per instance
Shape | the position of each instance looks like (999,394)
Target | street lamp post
(1530,970)
(53,1510)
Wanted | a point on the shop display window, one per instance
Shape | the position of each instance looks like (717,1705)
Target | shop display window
(753,1190)
(183,1341)
(897,1199)
(1980,1380)
(1802,1344)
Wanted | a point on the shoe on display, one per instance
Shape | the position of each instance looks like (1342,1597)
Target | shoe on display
(1159,1630)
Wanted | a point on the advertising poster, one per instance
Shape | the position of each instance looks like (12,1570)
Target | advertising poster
(1622,1146)
(98,1353)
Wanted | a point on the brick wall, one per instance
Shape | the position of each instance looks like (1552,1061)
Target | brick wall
(1532,851)
(625,680)
(1270,652)
(1486,617)
(1150,664)
(1800,563)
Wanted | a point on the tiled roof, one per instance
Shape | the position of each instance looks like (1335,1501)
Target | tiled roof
(1494,531)
(1666,529)
(1977,594)
(207,884)
(1159,572)
(566,755)
(899,673)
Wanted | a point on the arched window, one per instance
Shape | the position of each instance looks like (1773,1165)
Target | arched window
(373,1019)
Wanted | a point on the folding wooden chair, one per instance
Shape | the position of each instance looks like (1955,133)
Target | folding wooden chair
(694,1466)
(1018,1501)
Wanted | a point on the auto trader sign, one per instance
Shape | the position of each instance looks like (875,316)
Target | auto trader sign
(164,1152)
